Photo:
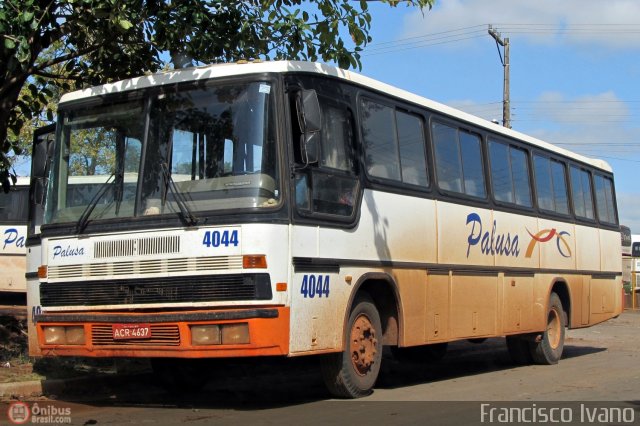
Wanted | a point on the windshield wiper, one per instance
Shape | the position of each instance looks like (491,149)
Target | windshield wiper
(84,218)
(186,212)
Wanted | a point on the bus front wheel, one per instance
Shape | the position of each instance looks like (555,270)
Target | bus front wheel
(548,348)
(353,372)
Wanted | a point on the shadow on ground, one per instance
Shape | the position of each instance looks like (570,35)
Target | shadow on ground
(260,383)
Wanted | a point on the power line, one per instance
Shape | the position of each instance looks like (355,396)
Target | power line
(475,31)
(428,44)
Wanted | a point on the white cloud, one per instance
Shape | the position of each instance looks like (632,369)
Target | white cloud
(614,23)
(594,125)
(589,112)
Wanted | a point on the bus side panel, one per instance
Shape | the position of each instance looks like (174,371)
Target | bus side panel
(513,241)
(465,235)
(517,306)
(391,227)
(474,305)
(588,248)
(557,242)
(603,300)
(12,275)
(438,306)
(412,286)
(610,258)
(317,311)
(12,258)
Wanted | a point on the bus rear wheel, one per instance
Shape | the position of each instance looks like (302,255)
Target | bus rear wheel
(353,372)
(548,348)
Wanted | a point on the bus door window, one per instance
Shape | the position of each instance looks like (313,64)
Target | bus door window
(329,187)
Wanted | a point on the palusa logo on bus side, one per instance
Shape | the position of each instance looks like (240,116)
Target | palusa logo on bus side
(504,244)
(12,237)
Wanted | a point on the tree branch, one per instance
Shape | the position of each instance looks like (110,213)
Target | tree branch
(55,61)
(56,76)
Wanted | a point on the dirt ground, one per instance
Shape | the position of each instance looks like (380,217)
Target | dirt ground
(17,366)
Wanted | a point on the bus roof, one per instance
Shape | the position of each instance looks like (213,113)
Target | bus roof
(244,68)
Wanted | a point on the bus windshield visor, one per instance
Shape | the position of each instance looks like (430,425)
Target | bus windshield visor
(181,151)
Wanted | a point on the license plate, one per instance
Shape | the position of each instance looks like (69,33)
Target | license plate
(131,331)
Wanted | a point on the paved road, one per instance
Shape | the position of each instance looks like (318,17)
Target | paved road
(601,363)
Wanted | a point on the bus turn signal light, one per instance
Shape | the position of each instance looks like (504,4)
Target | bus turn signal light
(42,271)
(254,261)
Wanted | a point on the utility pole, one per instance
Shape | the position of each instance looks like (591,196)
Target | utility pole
(506,103)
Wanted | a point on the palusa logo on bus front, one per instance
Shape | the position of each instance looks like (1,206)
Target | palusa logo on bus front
(67,252)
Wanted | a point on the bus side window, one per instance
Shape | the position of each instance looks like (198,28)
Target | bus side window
(604,200)
(551,185)
(581,189)
(509,174)
(394,144)
(458,161)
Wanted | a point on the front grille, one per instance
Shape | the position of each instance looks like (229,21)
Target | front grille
(212,288)
(161,335)
(138,246)
(145,267)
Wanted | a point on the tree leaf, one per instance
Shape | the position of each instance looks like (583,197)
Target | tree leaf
(124,24)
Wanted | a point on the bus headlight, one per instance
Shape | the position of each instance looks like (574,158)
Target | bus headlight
(54,335)
(59,335)
(205,335)
(234,334)
(74,335)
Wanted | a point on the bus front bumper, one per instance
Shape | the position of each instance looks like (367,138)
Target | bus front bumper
(247,332)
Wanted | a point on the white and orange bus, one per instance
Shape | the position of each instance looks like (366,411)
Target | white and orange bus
(13,234)
(291,208)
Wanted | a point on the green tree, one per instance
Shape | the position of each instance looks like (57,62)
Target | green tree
(52,46)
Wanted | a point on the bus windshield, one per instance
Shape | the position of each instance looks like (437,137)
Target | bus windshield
(202,148)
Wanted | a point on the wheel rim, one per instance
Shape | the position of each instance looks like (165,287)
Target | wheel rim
(364,345)
(554,328)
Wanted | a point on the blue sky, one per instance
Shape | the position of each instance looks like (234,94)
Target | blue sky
(575,67)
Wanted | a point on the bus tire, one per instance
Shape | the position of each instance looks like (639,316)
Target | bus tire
(353,372)
(548,350)
(519,350)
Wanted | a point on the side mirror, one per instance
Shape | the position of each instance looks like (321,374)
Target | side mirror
(310,121)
